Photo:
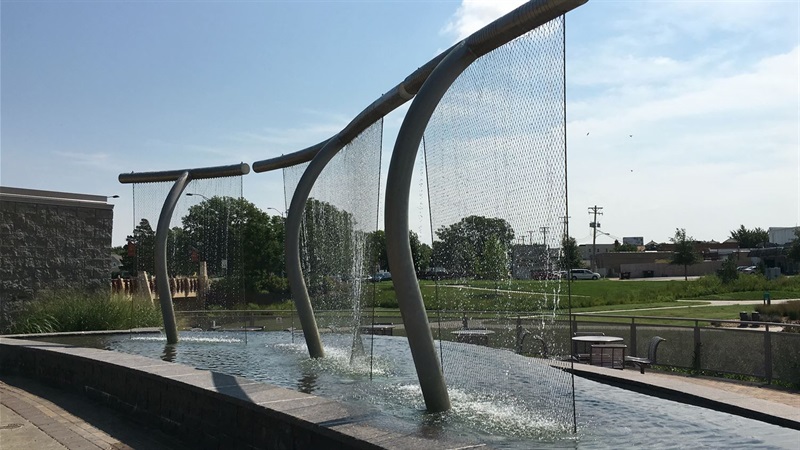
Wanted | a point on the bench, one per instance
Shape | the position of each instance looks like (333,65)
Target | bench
(641,363)
(608,355)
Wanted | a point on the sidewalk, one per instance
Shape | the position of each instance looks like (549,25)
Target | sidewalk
(36,416)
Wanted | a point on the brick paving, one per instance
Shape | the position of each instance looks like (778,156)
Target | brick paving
(754,390)
(35,416)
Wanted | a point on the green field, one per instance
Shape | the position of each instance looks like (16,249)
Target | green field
(595,295)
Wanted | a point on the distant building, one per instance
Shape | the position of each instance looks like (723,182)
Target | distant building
(635,240)
(530,262)
(53,240)
(585,250)
(781,235)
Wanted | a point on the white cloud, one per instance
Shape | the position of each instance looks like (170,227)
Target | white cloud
(472,15)
(97,160)
(709,91)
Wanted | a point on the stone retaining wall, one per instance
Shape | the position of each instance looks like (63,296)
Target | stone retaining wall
(53,240)
(206,409)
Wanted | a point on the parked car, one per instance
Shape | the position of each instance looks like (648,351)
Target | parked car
(750,269)
(584,274)
(381,276)
(545,275)
(434,273)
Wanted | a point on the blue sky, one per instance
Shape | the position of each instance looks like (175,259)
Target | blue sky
(692,108)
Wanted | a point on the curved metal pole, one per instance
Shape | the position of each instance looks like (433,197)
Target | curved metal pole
(401,168)
(398,249)
(162,280)
(294,271)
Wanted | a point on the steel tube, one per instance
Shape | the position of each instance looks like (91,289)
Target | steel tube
(234,170)
(401,167)
(323,153)
(162,278)
(398,249)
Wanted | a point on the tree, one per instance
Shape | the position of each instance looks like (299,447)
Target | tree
(462,245)
(571,257)
(494,263)
(684,253)
(728,273)
(139,252)
(236,239)
(326,240)
(794,249)
(420,251)
(747,238)
(624,247)
(378,259)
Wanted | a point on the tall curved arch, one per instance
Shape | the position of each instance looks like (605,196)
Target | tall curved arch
(182,178)
(401,168)
(434,78)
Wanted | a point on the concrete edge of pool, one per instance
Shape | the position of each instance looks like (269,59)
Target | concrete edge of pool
(203,407)
(681,391)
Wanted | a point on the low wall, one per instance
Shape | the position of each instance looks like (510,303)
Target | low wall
(207,409)
(670,270)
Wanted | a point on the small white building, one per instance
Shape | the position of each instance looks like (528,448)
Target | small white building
(585,250)
(781,235)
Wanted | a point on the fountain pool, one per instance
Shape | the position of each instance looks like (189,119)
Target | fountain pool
(503,410)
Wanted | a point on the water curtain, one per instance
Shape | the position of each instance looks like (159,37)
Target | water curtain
(498,33)
(206,241)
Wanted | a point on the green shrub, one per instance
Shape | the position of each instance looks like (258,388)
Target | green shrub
(789,310)
(64,311)
(274,284)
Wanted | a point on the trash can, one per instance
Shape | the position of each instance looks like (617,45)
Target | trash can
(648,273)
(767,299)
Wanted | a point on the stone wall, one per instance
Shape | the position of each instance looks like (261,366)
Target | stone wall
(205,409)
(53,240)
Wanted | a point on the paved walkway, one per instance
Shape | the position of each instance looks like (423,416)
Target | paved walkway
(35,416)
(755,401)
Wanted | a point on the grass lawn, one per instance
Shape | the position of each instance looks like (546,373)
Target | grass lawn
(596,295)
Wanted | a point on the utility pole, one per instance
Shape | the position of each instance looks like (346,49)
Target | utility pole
(594,225)
(564,237)
(543,230)
(530,233)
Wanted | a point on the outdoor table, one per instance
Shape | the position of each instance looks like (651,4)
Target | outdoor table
(582,344)
(478,337)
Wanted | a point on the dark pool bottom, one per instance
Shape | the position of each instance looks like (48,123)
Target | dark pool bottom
(499,398)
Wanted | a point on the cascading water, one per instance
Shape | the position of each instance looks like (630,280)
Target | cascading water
(496,168)
(339,224)
(204,240)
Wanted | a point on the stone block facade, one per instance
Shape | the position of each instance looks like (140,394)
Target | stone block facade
(53,240)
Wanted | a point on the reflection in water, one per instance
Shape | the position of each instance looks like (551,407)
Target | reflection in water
(307,384)
(170,352)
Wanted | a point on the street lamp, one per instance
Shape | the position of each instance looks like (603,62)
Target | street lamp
(190,194)
(112,196)
(282,213)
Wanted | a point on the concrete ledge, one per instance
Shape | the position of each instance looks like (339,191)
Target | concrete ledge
(204,408)
(680,391)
